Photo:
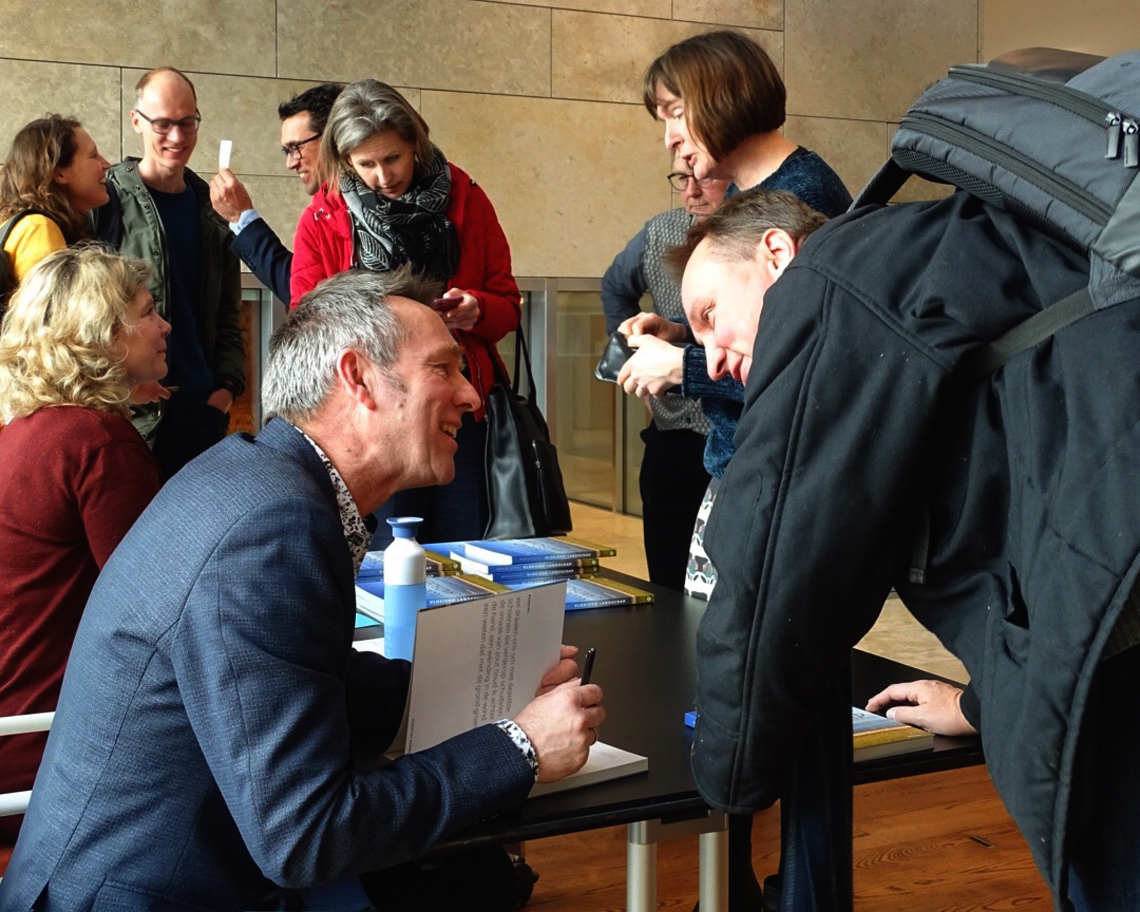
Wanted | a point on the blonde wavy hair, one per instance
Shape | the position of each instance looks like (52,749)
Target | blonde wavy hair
(58,338)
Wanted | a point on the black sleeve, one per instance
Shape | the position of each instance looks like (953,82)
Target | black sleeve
(808,529)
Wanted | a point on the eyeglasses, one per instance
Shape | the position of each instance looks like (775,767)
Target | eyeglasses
(293,149)
(680,181)
(163,125)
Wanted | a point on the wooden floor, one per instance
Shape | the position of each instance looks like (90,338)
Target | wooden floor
(936,843)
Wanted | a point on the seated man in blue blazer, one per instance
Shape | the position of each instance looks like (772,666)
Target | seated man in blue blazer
(205,754)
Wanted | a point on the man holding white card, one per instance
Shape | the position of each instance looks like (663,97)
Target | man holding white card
(160,212)
(303,119)
(217,738)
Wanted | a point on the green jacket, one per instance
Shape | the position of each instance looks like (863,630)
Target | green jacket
(130,223)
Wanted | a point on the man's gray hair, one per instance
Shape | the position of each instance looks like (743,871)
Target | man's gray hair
(351,310)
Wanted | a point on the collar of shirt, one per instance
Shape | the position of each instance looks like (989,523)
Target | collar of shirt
(355,532)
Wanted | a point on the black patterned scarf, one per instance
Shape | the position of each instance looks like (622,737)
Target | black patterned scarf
(412,229)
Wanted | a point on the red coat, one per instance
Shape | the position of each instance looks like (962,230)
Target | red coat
(323,247)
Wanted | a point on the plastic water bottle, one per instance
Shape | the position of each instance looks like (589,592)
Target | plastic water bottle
(405,587)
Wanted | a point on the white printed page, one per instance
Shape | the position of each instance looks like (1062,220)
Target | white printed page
(480,661)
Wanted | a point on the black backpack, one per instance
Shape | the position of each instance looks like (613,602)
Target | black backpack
(1052,137)
(7,271)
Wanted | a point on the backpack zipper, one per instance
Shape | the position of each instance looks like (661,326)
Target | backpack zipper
(1131,143)
(1021,165)
(1092,109)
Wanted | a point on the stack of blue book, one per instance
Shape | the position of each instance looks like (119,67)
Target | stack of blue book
(518,563)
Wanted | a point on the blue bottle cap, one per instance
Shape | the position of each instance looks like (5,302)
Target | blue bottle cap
(405,526)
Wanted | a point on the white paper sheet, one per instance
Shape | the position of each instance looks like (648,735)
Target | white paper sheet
(476,662)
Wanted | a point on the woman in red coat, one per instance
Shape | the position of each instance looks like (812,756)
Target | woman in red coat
(390,197)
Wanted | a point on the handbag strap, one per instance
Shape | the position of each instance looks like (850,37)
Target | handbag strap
(520,348)
(522,357)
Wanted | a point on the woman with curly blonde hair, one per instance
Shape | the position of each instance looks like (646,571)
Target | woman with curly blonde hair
(81,331)
(53,177)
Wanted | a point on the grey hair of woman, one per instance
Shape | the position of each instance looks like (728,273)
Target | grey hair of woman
(350,310)
(362,110)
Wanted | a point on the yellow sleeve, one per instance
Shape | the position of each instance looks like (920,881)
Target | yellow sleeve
(33,238)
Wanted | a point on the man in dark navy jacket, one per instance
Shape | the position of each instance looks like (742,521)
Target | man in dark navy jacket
(211,743)
(303,119)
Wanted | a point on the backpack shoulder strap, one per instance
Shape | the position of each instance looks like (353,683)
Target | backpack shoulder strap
(1027,334)
(883,185)
(10,225)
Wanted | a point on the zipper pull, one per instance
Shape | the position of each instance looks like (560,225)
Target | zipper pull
(1112,121)
(1131,144)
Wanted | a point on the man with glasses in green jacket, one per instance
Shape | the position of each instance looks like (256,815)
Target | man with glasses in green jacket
(160,211)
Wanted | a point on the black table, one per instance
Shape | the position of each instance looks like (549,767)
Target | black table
(646,666)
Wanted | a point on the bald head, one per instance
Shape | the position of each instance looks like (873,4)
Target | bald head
(163,74)
(166,118)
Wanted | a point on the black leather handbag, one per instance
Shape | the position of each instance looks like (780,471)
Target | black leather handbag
(524,481)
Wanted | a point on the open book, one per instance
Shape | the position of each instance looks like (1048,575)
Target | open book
(877,736)
(874,736)
(481,661)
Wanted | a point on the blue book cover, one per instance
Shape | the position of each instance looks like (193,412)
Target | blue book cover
(581,593)
(524,551)
(537,572)
(441,590)
(435,565)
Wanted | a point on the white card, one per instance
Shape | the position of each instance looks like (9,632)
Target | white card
(224,150)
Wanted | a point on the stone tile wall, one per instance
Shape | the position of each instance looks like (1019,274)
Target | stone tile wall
(540,104)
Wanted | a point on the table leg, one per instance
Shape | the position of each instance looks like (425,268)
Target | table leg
(640,875)
(641,858)
(714,872)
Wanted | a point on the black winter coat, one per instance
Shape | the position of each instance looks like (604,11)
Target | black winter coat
(855,427)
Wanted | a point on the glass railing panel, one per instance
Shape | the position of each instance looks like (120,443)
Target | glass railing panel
(584,405)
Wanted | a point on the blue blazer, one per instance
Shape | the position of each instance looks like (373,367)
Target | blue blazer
(203,753)
(267,258)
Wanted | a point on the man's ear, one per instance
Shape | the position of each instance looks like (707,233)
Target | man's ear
(356,378)
(777,249)
(135,121)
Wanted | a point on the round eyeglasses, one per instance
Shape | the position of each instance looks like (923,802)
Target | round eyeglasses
(680,182)
(163,125)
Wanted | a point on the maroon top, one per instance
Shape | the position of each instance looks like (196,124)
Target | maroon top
(72,482)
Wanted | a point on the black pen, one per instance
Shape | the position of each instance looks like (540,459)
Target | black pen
(587,666)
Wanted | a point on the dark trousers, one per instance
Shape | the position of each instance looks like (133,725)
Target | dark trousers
(452,512)
(673,481)
(1104,824)
(815,822)
(185,432)
(476,880)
